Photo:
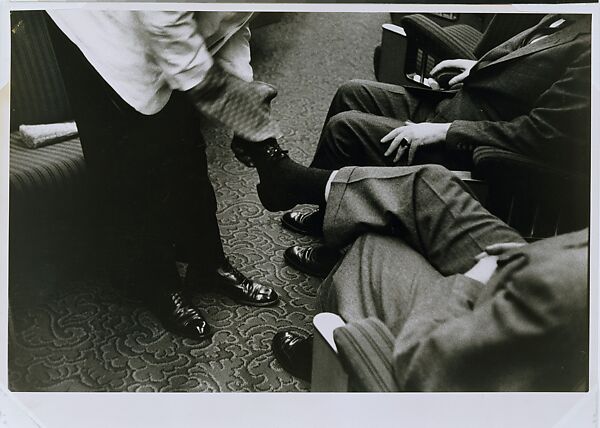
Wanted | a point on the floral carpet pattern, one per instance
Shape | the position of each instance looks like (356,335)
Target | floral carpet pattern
(81,333)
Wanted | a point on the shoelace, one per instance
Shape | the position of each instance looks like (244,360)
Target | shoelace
(185,312)
(276,152)
(248,286)
(306,252)
(303,216)
(254,290)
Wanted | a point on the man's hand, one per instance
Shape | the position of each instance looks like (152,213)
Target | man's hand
(460,66)
(497,249)
(412,136)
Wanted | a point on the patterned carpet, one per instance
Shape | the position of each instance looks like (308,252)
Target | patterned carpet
(78,332)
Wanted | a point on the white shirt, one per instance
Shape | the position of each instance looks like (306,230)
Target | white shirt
(145,55)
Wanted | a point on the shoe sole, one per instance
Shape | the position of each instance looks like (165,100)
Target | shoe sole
(293,262)
(256,304)
(215,289)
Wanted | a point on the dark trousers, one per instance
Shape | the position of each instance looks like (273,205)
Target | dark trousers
(362,112)
(149,172)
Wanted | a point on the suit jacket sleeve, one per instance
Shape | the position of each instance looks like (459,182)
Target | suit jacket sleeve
(527,336)
(557,126)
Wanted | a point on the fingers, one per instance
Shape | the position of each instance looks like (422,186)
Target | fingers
(412,150)
(391,135)
(442,65)
(439,67)
(458,78)
(432,83)
(399,141)
(404,145)
(497,249)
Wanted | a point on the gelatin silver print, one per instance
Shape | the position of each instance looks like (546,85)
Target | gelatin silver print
(220,201)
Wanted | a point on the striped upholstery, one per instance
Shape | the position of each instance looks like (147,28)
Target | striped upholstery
(365,348)
(463,41)
(42,174)
(466,35)
(457,41)
(37,91)
(48,175)
(532,196)
(433,43)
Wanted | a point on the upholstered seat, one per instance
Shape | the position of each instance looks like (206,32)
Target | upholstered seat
(58,168)
(49,197)
(46,178)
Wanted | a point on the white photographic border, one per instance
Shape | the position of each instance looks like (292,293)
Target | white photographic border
(286,410)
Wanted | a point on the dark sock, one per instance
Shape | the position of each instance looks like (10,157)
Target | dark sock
(304,185)
(285,183)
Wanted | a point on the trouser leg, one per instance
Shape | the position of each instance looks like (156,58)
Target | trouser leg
(353,138)
(149,173)
(361,113)
(379,99)
(190,201)
(379,276)
(426,206)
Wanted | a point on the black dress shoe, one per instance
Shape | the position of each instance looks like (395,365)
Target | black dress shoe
(178,315)
(305,223)
(231,282)
(316,260)
(294,353)
(247,151)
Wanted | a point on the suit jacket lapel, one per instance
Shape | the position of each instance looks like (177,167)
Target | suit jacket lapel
(558,38)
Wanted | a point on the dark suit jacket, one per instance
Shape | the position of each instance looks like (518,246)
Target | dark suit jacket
(528,98)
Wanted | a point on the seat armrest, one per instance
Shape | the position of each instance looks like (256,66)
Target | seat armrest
(391,57)
(487,159)
(328,374)
(365,349)
(534,197)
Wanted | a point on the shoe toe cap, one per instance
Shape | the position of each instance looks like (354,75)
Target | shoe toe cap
(198,329)
(265,294)
(282,344)
(294,353)
(295,252)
